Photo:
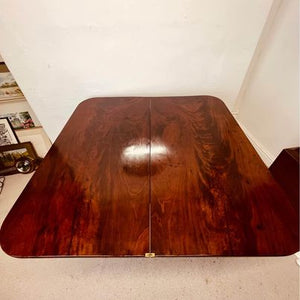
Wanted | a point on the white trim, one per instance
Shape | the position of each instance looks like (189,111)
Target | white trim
(298,258)
(264,154)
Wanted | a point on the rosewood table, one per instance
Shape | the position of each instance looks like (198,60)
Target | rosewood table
(169,176)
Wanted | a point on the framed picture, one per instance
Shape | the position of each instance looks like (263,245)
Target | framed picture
(21,120)
(20,114)
(11,154)
(8,86)
(38,137)
(7,134)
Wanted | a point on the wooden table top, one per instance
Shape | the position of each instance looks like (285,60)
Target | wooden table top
(174,176)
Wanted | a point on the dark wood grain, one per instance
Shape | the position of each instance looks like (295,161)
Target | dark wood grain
(81,201)
(172,175)
(214,195)
(285,170)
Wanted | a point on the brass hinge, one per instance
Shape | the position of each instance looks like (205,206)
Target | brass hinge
(150,255)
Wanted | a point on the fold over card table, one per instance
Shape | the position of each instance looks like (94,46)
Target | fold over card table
(169,176)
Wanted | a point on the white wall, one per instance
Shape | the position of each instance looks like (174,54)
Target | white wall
(269,110)
(62,52)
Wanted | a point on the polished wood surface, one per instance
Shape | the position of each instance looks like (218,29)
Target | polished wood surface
(285,170)
(214,196)
(172,176)
(81,201)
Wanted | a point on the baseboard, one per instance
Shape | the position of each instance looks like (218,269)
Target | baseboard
(267,157)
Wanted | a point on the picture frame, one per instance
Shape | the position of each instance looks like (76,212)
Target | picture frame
(38,137)
(9,88)
(19,120)
(7,133)
(13,107)
(11,154)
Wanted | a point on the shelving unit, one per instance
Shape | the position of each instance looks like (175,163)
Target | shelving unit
(18,103)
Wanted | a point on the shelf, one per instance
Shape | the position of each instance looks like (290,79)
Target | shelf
(25,129)
(13,99)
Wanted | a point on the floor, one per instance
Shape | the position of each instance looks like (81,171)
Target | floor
(142,278)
